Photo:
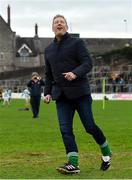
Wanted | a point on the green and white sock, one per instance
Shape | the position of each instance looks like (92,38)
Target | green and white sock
(105,149)
(73,158)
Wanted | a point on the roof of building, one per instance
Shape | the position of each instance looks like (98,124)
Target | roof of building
(5,23)
(36,44)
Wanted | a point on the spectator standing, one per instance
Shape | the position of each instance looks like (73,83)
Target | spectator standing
(6,97)
(121,84)
(10,94)
(1,96)
(35,87)
(130,84)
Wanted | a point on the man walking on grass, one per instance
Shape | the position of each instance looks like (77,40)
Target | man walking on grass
(67,64)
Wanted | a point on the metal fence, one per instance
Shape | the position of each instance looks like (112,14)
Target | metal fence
(95,79)
(109,88)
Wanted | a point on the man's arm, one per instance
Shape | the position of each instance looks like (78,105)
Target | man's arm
(29,84)
(48,81)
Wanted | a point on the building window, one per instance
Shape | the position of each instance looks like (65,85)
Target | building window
(24,52)
(1,56)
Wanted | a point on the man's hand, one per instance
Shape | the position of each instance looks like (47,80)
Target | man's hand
(70,76)
(47,99)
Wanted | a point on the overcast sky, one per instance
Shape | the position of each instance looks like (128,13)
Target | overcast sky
(90,18)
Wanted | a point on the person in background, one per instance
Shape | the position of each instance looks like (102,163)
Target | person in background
(1,96)
(6,97)
(26,95)
(10,94)
(67,64)
(35,87)
(130,84)
(114,84)
(121,83)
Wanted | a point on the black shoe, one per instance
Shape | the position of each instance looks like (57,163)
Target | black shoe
(26,109)
(68,168)
(106,161)
(35,116)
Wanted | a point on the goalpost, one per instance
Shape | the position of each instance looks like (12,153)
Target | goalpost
(103,91)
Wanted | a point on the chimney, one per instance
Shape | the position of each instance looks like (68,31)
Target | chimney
(8,16)
(36,30)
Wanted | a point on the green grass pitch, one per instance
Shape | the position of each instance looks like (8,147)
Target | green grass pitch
(32,148)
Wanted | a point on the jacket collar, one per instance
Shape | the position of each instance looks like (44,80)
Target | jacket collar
(65,36)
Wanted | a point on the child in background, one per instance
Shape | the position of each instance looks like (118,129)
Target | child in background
(6,98)
(26,96)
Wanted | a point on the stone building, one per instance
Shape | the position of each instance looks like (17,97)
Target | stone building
(20,56)
(7,45)
(17,53)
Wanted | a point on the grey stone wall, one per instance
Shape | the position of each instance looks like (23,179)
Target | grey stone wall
(9,61)
(28,62)
(7,47)
(102,45)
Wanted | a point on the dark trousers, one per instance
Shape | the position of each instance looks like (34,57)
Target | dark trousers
(35,104)
(66,110)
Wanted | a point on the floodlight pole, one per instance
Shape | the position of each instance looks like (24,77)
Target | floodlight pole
(103,91)
(125,22)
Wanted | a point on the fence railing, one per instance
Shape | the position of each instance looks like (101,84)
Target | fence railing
(109,88)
